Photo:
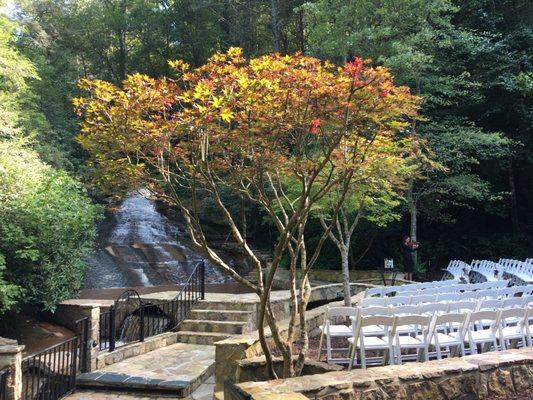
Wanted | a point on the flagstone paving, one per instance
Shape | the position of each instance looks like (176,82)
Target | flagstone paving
(178,369)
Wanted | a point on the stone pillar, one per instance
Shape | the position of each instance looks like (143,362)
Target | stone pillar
(11,357)
(93,335)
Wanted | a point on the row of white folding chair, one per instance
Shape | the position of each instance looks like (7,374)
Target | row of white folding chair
(449,288)
(489,270)
(522,270)
(457,296)
(457,269)
(396,332)
(446,307)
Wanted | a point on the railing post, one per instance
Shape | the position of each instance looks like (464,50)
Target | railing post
(141,322)
(202,280)
(112,328)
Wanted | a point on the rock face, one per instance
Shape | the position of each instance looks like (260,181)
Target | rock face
(473,377)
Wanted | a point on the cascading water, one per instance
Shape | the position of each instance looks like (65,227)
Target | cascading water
(143,249)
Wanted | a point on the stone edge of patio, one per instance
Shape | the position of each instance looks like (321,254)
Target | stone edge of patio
(476,376)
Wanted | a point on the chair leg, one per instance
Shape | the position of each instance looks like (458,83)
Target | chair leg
(320,343)
(439,355)
(463,352)
(363,358)
(328,348)
(352,356)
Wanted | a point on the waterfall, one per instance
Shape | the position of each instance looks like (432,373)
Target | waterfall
(144,248)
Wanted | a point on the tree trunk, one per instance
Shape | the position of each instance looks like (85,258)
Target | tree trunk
(276,24)
(413,214)
(513,201)
(346,275)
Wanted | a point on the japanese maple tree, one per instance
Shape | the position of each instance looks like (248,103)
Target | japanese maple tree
(282,132)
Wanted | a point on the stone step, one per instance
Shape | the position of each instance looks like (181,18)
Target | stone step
(202,325)
(226,305)
(177,369)
(206,338)
(226,315)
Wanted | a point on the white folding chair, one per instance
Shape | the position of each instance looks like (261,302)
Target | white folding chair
(404,342)
(372,343)
(331,329)
(448,330)
(482,335)
(372,330)
(511,326)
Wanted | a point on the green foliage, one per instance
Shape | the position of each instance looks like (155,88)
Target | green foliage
(47,226)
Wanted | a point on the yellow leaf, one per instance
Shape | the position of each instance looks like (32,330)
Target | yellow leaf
(226,115)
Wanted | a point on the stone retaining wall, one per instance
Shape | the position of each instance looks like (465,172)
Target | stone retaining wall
(106,357)
(230,351)
(473,377)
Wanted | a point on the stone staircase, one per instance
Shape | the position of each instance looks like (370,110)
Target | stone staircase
(212,321)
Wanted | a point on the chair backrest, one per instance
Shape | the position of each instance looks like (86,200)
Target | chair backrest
(512,313)
(433,308)
(491,316)
(374,311)
(390,289)
(335,312)
(513,302)
(377,291)
(521,290)
(462,306)
(527,300)
(422,321)
(398,300)
(424,298)
(489,294)
(410,293)
(372,301)
(491,304)
(447,297)
(405,310)
(368,320)
(450,318)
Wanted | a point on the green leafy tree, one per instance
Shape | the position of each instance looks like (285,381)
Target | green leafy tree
(420,42)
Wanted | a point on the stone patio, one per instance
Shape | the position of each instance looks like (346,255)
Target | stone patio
(178,369)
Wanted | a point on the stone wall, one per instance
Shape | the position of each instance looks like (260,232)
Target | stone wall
(106,357)
(473,377)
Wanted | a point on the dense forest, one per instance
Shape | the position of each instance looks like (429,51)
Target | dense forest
(470,61)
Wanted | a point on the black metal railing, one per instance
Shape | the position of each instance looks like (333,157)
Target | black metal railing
(234,392)
(51,373)
(4,375)
(121,324)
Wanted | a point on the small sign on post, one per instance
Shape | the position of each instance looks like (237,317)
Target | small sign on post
(388,263)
